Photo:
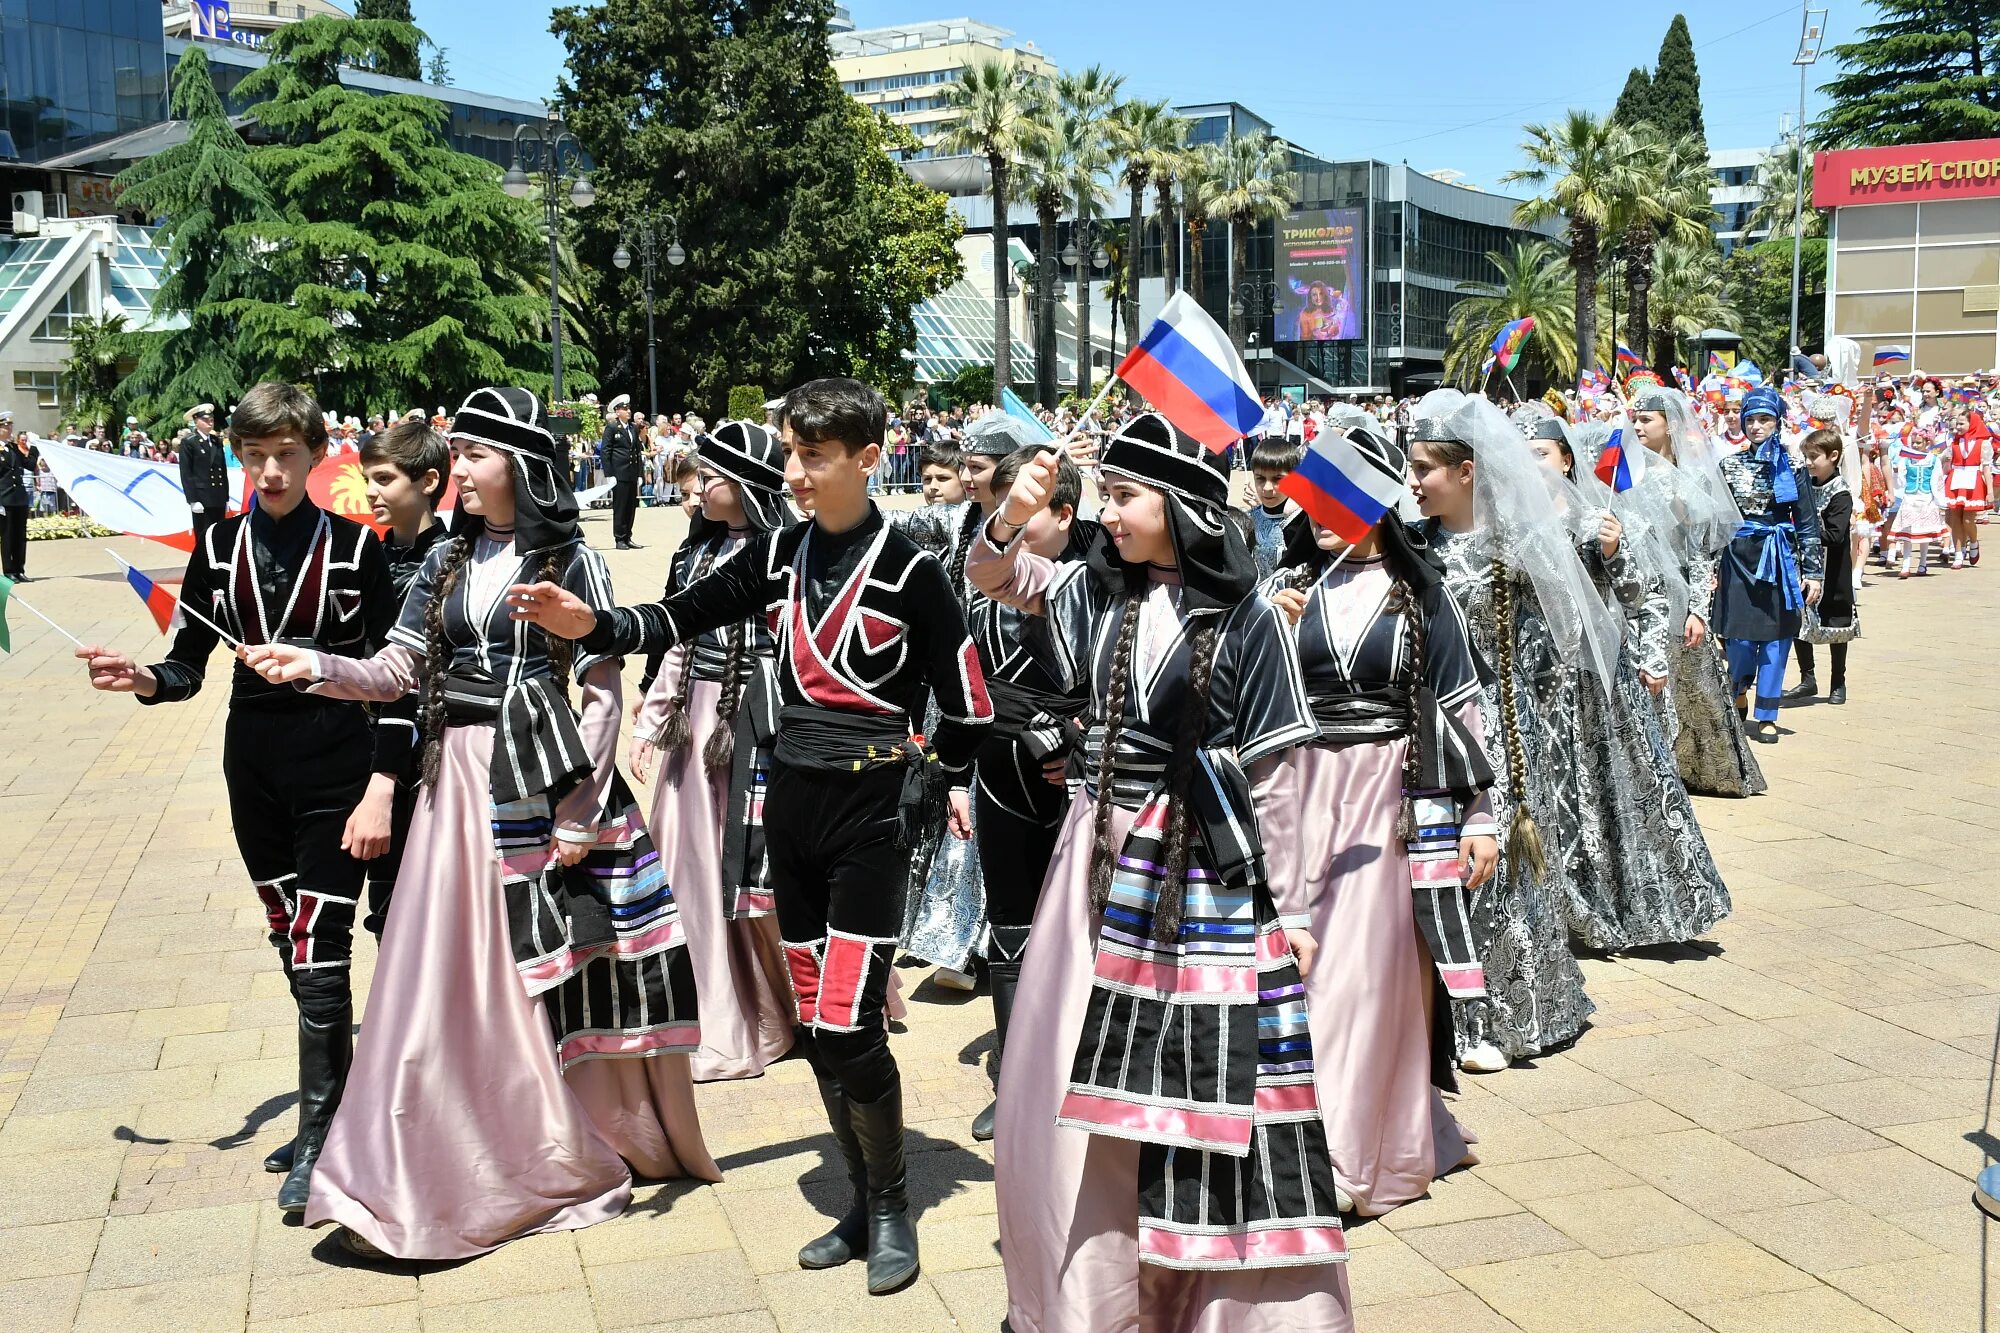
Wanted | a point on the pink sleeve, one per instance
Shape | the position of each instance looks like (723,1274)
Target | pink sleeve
(1015,577)
(383,678)
(1274,787)
(1476,819)
(603,695)
(659,702)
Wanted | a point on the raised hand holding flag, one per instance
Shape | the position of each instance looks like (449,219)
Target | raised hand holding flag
(1187,370)
(1620,467)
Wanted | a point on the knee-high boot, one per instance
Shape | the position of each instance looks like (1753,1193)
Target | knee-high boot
(326,1048)
(279,1162)
(892,1240)
(1005,978)
(849,1237)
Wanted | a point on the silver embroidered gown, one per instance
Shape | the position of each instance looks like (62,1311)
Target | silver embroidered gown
(1535,997)
(1709,744)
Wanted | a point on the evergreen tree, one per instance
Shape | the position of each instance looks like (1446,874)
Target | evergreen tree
(398,58)
(1635,104)
(806,248)
(202,189)
(1675,101)
(1926,72)
(398,272)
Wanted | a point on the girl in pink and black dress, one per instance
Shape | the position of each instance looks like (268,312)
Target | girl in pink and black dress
(712,715)
(542,1007)
(1160,1158)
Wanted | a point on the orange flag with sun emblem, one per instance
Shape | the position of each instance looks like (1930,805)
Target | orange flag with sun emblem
(338,486)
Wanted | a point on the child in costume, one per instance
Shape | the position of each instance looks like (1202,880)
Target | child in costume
(1835,619)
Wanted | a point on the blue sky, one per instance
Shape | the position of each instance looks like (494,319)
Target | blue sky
(1441,84)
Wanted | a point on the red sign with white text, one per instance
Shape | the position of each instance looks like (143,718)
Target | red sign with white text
(1903,173)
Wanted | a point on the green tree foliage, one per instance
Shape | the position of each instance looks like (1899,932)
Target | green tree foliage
(397,271)
(1534,280)
(93,380)
(1757,284)
(746,402)
(806,248)
(1635,104)
(202,190)
(1688,296)
(1582,168)
(1253,185)
(1675,102)
(398,54)
(972,384)
(1924,72)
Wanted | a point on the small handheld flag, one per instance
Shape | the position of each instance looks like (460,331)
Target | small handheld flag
(157,599)
(8,597)
(1508,344)
(1341,488)
(1619,467)
(1885,355)
(1188,371)
(1015,408)
(1716,365)
(1628,357)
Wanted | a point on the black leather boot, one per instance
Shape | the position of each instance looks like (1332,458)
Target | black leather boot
(849,1238)
(280,1160)
(326,1048)
(892,1240)
(1005,978)
(1807,688)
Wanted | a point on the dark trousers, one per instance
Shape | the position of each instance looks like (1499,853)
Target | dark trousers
(294,776)
(624,504)
(1017,814)
(838,878)
(14,540)
(1838,651)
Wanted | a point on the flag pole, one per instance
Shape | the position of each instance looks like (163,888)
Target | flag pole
(181,602)
(20,601)
(1095,403)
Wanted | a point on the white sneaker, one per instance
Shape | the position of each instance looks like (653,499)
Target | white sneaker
(1485,1058)
(952,979)
(1342,1200)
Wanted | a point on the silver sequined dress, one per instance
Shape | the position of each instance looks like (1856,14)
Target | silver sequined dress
(1535,994)
(1709,744)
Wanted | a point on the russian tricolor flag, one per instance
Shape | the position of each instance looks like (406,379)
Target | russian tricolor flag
(1618,467)
(1884,355)
(1187,370)
(1340,488)
(157,599)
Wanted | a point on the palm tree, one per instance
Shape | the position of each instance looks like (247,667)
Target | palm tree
(1687,294)
(1253,185)
(1116,238)
(1168,163)
(992,118)
(1197,169)
(1580,165)
(1666,195)
(1777,197)
(1534,280)
(1044,182)
(1086,97)
(1141,134)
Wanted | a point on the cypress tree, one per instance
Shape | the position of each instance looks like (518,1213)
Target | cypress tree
(203,189)
(1927,71)
(1676,95)
(1635,104)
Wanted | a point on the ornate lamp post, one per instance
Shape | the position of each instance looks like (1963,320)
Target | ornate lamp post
(646,232)
(1084,235)
(551,153)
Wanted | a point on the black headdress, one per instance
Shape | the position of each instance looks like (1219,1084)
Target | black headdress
(544,504)
(1216,568)
(749,455)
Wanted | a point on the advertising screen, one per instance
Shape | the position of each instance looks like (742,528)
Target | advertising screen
(1321,265)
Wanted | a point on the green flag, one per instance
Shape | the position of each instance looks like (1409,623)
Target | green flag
(6,643)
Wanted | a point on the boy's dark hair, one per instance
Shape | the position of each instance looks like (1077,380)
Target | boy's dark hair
(413,448)
(1826,442)
(685,464)
(942,455)
(835,410)
(271,408)
(1277,455)
(1068,489)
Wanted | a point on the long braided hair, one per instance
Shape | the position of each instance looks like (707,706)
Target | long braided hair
(1524,839)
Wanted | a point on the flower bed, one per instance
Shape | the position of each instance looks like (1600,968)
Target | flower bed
(51,527)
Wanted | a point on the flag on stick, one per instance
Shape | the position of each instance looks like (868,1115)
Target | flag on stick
(1011,402)
(1509,342)
(1341,488)
(1885,355)
(1189,373)
(1619,467)
(157,599)
(1628,357)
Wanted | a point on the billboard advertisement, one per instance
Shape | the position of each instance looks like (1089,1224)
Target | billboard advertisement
(1321,268)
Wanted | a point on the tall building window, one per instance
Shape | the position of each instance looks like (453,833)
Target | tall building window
(71,309)
(41,383)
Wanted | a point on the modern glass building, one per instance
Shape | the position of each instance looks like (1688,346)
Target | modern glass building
(78,72)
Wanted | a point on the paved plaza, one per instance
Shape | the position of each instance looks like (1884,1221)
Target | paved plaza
(1775,1134)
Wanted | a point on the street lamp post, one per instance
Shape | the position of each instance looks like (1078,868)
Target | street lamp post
(647,232)
(1812,31)
(1084,241)
(550,152)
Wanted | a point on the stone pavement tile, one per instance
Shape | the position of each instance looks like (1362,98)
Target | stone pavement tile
(73,1058)
(328,1289)
(1956,1144)
(1507,1135)
(976,1297)
(1808,1140)
(1626,1221)
(1456,1312)
(1889,1179)
(65,1131)
(742,1321)
(1709,1173)
(1971,962)
(404,1318)
(1823,1237)
(59,1186)
(1792,1064)
(1722,1099)
(1942,1020)
(526,1267)
(54,1250)
(663,1220)
(1812,1310)
(955,1244)
(1558,1084)
(213,1304)
(210,1048)
(836,1300)
(771,1224)
(1392,1271)
(1725,1270)
(1461,1197)
(45,1096)
(542,1312)
(691,1286)
(180,1020)
(1954,1227)
(1939,1294)
(1486,1240)
(40,1304)
(1600,1126)
(1629,1057)
(1572,1292)
(189,1243)
(1525,1182)
(1875,1102)
(1721,1041)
